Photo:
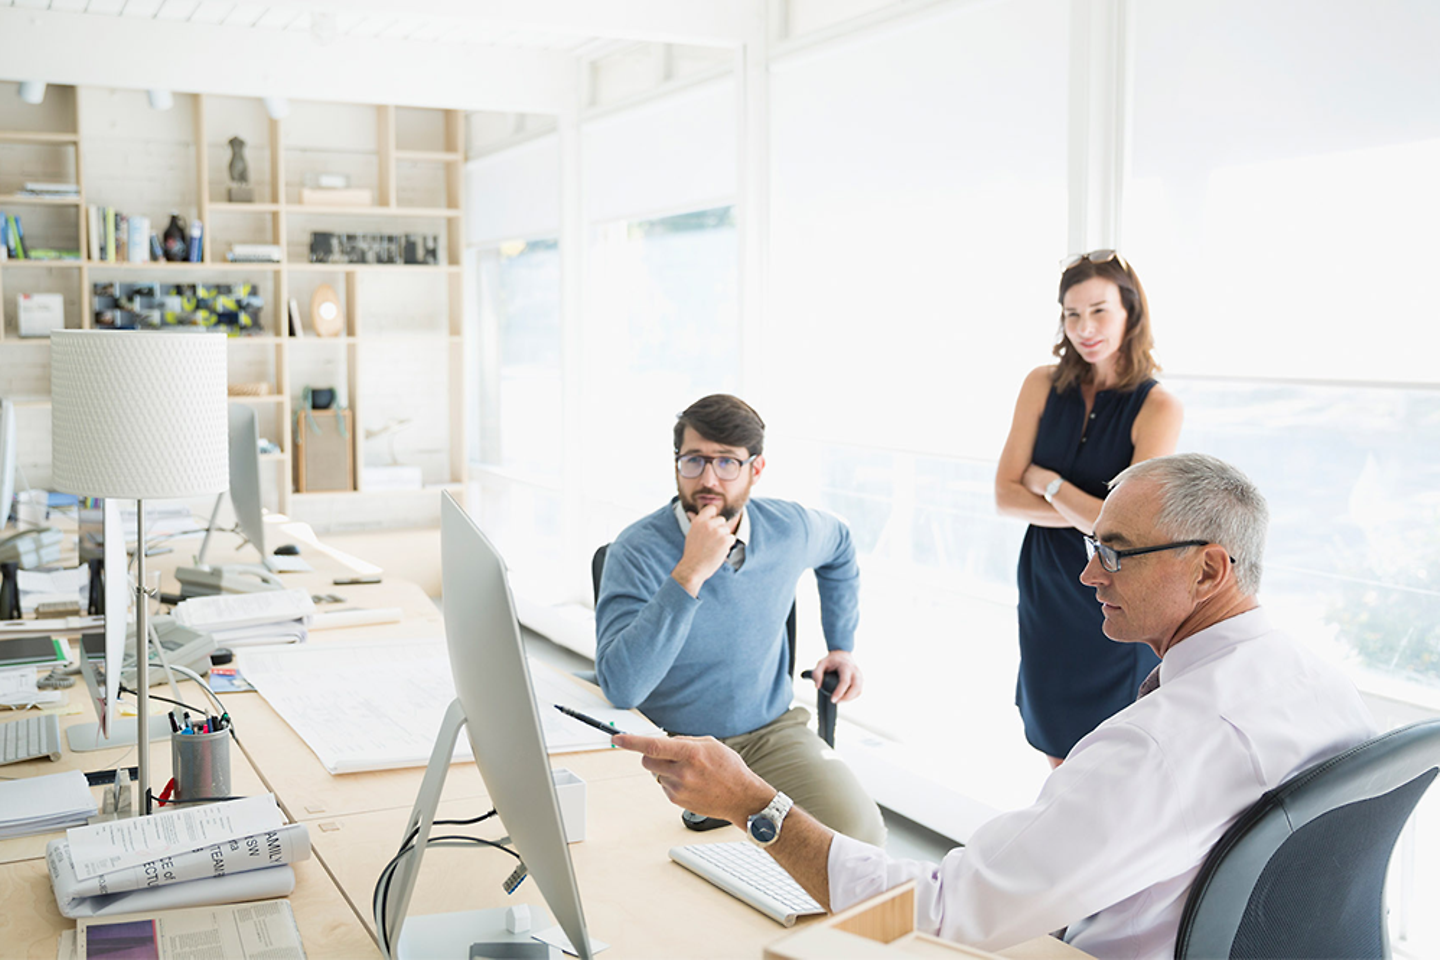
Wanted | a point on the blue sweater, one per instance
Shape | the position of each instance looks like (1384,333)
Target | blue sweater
(718,665)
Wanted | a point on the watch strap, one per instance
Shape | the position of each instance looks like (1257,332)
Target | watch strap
(763,828)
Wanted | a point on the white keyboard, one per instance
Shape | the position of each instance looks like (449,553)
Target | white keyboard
(29,738)
(750,874)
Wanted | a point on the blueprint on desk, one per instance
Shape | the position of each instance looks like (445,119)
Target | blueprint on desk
(376,705)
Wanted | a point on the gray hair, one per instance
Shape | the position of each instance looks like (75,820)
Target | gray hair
(1205,498)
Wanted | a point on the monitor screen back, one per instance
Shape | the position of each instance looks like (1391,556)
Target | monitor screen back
(7,458)
(492,682)
(245,474)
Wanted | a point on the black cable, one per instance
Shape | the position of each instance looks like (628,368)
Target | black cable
(380,897)
(202,711)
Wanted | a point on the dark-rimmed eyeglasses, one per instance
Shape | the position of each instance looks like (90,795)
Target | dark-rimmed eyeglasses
(1110,557)
(692,465)
(1094,256)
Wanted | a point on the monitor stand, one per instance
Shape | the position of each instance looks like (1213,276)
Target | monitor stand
(469,933)
(85,737)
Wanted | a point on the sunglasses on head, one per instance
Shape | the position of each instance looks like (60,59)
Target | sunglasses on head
(1094,256)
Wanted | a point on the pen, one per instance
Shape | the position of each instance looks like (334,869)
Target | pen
(597,724)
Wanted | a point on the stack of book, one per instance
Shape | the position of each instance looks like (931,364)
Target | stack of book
(255,253)
(53,191)
(32,548)
(117,237)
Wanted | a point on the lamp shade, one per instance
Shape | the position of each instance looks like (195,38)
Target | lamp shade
(138,415)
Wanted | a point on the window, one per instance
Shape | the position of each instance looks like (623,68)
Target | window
(662,330)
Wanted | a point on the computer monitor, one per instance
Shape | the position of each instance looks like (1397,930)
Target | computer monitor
(7,459)
(104,685)
(244,481)
(492,686)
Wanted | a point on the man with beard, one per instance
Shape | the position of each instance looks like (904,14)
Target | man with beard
(690,620)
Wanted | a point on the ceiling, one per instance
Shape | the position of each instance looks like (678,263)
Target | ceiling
(419,21)
(507,55)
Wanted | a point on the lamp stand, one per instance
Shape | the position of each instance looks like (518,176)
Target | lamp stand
(142,663)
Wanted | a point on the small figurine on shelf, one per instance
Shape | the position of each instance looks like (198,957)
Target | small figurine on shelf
(176,244)
(240,189)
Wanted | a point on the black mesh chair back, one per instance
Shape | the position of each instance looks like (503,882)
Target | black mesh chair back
(825,711)
(1301,874)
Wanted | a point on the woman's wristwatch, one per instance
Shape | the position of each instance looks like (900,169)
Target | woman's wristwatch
(1052,488)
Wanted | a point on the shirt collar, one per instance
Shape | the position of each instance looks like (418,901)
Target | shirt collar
(742,532)
(1195,649)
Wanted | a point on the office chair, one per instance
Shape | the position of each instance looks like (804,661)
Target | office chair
(1301,874)
(825,711)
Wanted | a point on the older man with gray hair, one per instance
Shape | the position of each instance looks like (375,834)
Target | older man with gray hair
(1111,846)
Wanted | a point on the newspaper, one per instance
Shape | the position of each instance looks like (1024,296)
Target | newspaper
(288,844)
(245,931)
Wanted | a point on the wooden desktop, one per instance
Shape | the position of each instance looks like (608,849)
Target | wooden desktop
(636,899)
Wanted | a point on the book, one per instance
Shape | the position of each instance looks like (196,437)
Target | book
(92,232)
(39,189)
(122,238)
(109,235)
(16,241)
(297,329)
(138,238)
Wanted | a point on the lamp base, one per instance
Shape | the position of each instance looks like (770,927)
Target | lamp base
(85,737)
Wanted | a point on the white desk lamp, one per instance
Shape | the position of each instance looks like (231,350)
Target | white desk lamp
(138,415)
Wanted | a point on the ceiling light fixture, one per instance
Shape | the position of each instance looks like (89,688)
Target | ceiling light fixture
(277,107)
(324,28)
(32,91)
(161,99)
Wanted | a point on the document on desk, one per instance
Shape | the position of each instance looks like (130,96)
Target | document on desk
(107,847)
(377,705)
(30,805)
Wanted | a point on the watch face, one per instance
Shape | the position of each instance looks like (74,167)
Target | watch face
(762,829)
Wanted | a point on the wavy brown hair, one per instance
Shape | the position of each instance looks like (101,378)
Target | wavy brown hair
(1135,364)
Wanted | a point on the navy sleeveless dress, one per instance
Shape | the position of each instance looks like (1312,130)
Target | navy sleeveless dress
(1072,676)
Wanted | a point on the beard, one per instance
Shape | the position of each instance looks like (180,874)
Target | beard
(728,510)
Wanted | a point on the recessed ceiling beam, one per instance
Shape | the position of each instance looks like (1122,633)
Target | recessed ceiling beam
(709,23)
(101,51)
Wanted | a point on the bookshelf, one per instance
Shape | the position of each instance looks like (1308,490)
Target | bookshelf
(398,318)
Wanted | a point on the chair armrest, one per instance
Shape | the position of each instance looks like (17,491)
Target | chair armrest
(825,711)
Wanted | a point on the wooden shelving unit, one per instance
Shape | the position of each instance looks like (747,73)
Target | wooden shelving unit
(440,165)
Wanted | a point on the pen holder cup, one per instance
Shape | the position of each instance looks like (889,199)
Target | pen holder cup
(200,763)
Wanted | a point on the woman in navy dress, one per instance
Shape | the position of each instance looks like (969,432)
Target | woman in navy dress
(1077,424)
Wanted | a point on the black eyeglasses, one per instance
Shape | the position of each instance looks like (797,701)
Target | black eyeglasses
(1094,256)
(692,465)
(1110,557)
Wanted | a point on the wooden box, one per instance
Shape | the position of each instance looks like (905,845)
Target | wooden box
(324,451)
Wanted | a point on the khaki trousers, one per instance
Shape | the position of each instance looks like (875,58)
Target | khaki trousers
(793,759)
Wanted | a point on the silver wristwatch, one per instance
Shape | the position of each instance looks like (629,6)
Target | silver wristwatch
(1052,488)
(763,828)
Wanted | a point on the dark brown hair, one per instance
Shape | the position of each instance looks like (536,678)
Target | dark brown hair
(721,418)
(1134,364)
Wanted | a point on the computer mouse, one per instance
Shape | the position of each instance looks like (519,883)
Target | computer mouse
(287,550)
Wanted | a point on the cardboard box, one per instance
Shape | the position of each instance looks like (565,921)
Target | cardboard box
(324,451)
(40,313)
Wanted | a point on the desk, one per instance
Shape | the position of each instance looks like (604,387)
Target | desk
(635,898)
